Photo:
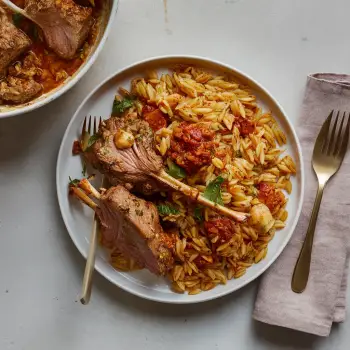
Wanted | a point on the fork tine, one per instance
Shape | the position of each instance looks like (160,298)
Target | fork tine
(100,122)
(89,127)
(338,139)
(345,139)
(331,140)
(321,140)
(94,125)
(84,127)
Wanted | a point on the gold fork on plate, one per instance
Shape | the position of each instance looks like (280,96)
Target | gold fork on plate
(329,151)
(90,261)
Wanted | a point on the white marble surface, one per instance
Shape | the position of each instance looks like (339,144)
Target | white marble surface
(278,42)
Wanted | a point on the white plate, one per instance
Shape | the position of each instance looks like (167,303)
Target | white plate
(78,219)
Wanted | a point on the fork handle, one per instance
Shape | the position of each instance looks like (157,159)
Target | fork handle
(90,265)
(302,266)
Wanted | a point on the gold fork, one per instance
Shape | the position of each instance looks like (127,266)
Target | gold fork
(90,261)
(328,155)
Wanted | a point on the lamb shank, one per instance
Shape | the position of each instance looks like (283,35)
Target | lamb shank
(131,225)
(134,161)
(125,153)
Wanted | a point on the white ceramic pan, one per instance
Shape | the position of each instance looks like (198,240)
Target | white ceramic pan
(107,16)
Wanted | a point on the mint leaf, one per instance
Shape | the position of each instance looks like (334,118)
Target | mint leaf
(198,213)
(175,171)
(84,169)
(92,140)
(73,182)
(213,191)
(164,210)
(120,107)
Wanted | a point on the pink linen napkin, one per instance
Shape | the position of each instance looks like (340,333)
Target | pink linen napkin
(324,300)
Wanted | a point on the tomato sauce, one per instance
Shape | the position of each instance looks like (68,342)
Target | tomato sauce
(191,146)
(202,261)
(154,117)
(270,196)
(245,126)
(222,227)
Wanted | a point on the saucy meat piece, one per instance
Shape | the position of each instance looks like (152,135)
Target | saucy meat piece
(154,117)
(132,165)
(65,24)
(270,196)
(17,90)
(13,42)
(132,225)
(191,146)
(28,68)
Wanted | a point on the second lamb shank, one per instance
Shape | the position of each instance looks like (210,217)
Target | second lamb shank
(131,225)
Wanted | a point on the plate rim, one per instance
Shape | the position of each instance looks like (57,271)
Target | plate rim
(302,179)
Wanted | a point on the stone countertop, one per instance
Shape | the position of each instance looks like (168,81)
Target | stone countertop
(278,42)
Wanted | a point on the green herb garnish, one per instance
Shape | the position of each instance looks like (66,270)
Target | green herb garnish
(175,171)
(164,210)
(84,169)
(198,213)
(73,182)
(17,19)
(92,140)
(213,191)
(120,107)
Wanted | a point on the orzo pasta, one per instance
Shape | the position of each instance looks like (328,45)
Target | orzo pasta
(213,136)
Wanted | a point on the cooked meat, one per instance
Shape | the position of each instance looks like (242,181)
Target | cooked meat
(124,153)
(131,165)
(132,225)
(65,24)
(13,42)
(28,68)
(17,90)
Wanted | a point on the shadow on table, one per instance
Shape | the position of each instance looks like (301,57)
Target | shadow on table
(283,337)
(163,310)
(20,134)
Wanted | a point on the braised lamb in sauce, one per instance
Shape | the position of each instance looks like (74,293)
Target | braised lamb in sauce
(128,166)
(132,224)
(123,150)
(34,61)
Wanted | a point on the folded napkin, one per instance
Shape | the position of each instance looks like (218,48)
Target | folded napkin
(324,299)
